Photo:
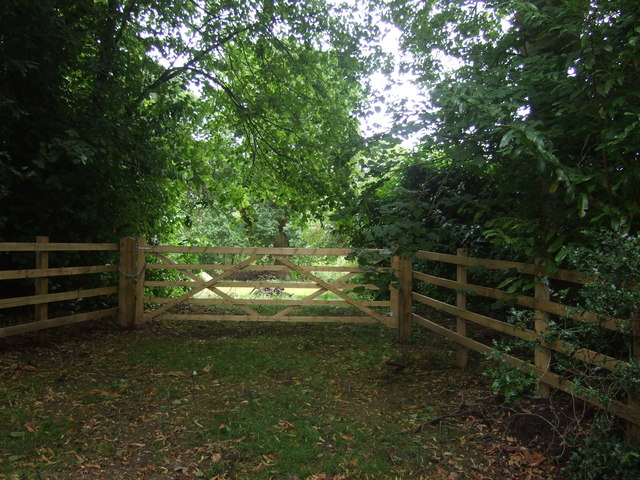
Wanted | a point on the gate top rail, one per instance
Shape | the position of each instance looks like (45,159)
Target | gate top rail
(258,250)
(56,247)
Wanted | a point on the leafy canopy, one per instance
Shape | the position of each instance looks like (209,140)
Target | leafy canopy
(116,115)
(535,105)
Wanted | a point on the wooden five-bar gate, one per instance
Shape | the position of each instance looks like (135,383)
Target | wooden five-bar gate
(213,288)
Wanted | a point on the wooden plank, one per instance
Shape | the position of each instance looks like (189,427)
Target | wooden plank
(127,285)
(42,283)
(238,284)
(464,341)
(270,318)
(201,287)
(525,268)
(56,247)
(57,322)
(588,356)
(462,353)
(617,408)
(138,308)
(55,272)
(405,288)
(341,252)
(483,320)
(267,301)
(542,356)
(259,268)
(584,354)
(56,297)
(329,287)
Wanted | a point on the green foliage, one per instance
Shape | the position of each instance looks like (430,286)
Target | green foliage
(613,260)
(116,116)
(509,380)
(532,128)
(603,455)
(417,200)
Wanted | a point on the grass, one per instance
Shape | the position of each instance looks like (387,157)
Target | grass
(229,401)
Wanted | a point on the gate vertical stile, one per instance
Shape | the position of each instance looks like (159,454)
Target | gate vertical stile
(140,277)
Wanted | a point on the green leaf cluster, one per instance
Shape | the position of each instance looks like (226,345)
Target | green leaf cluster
(118,117)
(534,113)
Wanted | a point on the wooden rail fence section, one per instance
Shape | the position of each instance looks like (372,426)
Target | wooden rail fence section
(543,308)
(42,272)
(136,305)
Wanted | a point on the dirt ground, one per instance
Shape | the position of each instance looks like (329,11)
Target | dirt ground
(64,374)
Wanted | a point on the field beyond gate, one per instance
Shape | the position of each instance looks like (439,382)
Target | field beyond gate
(255,284)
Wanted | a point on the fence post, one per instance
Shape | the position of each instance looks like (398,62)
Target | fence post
(542,356)
(462,353)
(403,297)
(127,285)
(140,265)
(633,429)
(394,293)
(42,283)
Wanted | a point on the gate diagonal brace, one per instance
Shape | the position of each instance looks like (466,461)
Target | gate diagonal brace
(335,290)
(203,286)
(316,294)
(199,281)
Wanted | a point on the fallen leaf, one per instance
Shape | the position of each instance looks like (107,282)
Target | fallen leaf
(105,393)
(150,392)
(285,426)
(30,426)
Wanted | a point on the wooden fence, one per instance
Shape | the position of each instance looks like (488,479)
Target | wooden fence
(539,303)
(406,306)
(42,273)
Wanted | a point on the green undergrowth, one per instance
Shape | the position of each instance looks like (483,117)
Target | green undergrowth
(229,401)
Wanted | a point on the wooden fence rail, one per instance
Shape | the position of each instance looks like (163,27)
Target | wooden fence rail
(543,309)
(42,272)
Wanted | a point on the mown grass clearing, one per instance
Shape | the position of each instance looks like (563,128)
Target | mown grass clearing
(233,401)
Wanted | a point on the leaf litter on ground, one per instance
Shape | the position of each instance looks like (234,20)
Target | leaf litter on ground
(230,401)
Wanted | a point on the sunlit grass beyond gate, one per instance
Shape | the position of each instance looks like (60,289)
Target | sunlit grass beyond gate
(228,401)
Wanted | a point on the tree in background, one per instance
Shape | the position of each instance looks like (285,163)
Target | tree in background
(116,114)
(538,114)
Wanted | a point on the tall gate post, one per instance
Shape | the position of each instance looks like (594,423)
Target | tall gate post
(542,356)
(127,285)
(403,296)
(462,353)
